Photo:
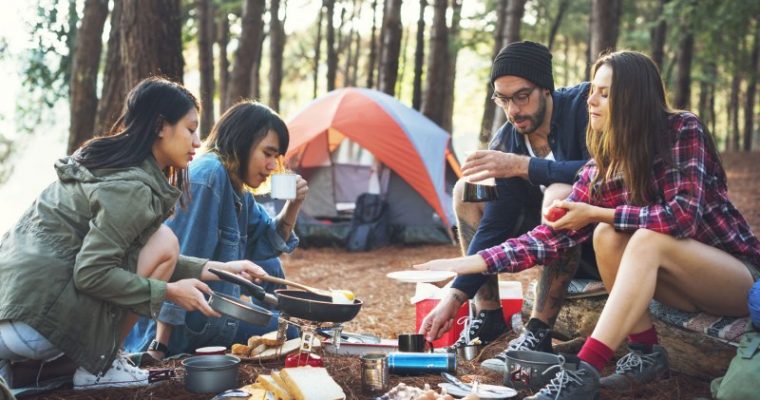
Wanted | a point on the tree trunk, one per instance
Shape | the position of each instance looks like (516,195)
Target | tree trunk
(249,44)
(605,26)
(433,104)
(489,108)
(114,87)
(317,52)
(151,40)
(276,47)
(749,105)
(390,48)
(733,112)
(659,34)
(451,67)
(707,92)
(348,45)
(332,54)
(223,39)
(256,68)
(84,73)
(206,63)
(372,48)
(419,58)
(683,84)
(511,33)
(563,6)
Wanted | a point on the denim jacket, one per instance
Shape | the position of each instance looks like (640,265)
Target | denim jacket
(222,225)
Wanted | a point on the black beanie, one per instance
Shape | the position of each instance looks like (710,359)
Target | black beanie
(528,60)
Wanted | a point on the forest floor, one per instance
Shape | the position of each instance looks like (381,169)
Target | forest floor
(388,312)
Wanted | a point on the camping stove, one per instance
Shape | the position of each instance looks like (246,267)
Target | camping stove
(308,331)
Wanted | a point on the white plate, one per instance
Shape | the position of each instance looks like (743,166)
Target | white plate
(494,392)
(414,276)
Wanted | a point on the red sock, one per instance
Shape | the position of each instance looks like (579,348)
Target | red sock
(647,338)
(595,353)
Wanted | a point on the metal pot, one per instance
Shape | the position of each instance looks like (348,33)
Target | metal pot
(211,374)
(239,309)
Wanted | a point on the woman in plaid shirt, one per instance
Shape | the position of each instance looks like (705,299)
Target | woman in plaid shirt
(655,203)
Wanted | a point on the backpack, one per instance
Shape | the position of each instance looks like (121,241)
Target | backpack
(740,381)
(369,225)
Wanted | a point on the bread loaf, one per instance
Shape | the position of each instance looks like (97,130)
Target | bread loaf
(309,383)
(268,383)
(240,350)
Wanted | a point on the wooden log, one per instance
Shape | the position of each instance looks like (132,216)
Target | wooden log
(689,352)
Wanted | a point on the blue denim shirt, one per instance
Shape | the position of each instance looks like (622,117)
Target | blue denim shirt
(225,225)
(567,139)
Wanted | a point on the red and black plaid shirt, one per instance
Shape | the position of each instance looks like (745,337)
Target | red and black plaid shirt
(693,204)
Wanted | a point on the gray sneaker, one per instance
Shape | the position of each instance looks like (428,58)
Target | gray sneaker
(574,380)
(541,340)
(637,368)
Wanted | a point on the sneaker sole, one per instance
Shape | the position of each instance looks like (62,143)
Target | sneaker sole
(494,364)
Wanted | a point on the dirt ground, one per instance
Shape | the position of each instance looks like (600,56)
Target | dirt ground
(387,311)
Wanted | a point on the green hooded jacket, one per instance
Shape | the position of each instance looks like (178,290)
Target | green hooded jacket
(69,265)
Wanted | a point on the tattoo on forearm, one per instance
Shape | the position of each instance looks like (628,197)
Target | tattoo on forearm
(466,233)
(458,297)
(552,287)
(489,291)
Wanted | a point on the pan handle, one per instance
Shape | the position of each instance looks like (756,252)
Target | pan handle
(281,281)
(249,287)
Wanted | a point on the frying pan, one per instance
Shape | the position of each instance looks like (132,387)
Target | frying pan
(297,303)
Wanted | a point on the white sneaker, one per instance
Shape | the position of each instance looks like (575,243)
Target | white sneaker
(121,374)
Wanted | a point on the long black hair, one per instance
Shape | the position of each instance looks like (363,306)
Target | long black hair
(242,127)
(152,102)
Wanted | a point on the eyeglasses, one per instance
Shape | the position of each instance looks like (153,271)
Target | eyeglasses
(519,99)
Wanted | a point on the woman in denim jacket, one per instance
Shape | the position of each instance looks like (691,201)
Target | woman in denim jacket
(224,222)
(91,251)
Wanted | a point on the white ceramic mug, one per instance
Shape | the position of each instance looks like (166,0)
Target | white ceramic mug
(284,186)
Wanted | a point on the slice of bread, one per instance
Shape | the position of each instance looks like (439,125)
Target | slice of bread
(268,383)
(240,350)
(309,383)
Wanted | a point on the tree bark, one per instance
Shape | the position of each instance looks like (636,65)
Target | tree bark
(249,45)
(489,108)
(659,34)
(749,105)
(707,92)
(683,84)
(419,58)
(276,47)
(317,52)
(733,112)
(151,40)
(84,73)
(372,48)
(563,6)
(223,39)
(390,48)
(433,104)
(332,54)
(605,26)
(206,63)
(451,67)
(256,68)
(114,87)
(511,33)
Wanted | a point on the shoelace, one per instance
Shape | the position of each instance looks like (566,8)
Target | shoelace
(472,330)
(561,380)
(632,361)
(124,363)
(527,342)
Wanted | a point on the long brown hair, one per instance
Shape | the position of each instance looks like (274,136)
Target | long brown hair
(635,135)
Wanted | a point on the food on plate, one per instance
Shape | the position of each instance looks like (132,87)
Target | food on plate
(310,383)
(257,350)
(268,383)
(240,350)
(342,296)
(256,393)
(271,339)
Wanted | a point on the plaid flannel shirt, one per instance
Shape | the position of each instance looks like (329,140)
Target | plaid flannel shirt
(693,203)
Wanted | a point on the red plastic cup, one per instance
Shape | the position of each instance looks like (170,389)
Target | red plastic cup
(303,359)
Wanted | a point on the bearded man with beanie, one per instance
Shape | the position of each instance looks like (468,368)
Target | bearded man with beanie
(534,158)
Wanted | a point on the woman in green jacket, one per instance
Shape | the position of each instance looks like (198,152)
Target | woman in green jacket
(91,252)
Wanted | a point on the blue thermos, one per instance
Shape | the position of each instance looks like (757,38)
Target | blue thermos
(421,363)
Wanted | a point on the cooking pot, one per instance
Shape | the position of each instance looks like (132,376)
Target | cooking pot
(211,374)
(297,303)
(239,309)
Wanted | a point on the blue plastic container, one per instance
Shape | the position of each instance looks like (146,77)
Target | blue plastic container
(421,363)
(754,304)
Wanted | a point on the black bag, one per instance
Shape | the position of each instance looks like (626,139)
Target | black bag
(369,226)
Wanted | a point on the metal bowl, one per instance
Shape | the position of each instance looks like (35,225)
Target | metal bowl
(211,374)
(239,309)
(525,369)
